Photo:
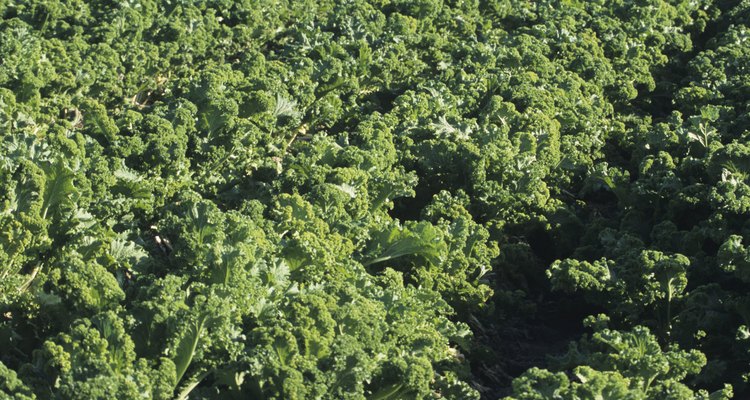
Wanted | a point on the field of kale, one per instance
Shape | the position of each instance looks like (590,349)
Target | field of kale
(375,199)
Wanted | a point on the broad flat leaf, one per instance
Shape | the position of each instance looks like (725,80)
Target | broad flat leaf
(422,239)
(186,348)
(126,252)
(58,187)
(284,107)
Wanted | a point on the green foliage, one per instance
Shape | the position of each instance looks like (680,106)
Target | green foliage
(374,199)
(734,257)
(613,364)
(11,387)
(420,240)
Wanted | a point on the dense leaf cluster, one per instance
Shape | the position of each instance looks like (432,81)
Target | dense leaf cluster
(374,199)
